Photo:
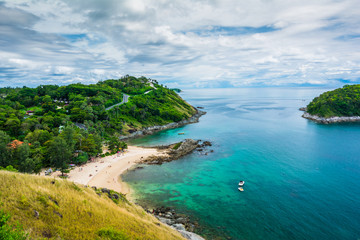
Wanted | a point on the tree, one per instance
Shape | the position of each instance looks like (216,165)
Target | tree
(20,155)
(13,124)
(59,154)
(4,150)
(69,135)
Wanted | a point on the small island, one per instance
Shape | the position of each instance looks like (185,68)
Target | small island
(339,105)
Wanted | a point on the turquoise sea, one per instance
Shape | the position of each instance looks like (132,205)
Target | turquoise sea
(302,178)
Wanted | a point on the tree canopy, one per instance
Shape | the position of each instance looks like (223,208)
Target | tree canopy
(56,125)
(343,101)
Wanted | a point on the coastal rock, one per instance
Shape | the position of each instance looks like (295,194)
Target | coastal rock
(165,220)
(179,226)
(190,235)
(303,109)
(178,150)
(331,119)
(181,220)
(186,147)
(153,129)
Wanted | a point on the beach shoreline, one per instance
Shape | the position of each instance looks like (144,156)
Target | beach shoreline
(106,172)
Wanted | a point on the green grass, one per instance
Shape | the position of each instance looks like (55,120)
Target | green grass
(177,145)
(69,211)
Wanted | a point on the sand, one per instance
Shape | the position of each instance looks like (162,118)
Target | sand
(105,172)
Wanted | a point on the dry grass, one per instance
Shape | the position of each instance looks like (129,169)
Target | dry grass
(68,211)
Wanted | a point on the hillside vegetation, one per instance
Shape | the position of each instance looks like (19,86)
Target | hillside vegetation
(53,126)
(58,209)
(339,102)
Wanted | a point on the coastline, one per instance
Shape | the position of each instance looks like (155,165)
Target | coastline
(105,172)
(330,120)
(153,129)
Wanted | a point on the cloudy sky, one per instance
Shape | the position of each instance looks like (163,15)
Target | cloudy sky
(185,43)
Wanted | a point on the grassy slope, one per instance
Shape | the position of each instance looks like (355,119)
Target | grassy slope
(84,212)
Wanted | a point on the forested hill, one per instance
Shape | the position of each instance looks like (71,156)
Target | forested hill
(339,102)
(38,123)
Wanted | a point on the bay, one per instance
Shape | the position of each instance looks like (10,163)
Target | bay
(302,178)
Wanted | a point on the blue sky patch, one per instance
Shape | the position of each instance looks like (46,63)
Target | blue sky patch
(348,37)
(233,31)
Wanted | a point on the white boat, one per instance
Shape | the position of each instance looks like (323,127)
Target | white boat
(241,183)
(241,189)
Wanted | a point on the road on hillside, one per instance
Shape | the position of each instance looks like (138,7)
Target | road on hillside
(125,100)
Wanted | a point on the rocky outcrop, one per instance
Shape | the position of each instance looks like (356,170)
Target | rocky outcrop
(179,222)
(153,129)
(329,120)
(178,150)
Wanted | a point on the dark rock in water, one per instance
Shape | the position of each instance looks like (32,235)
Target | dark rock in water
(190,227)
(59,214)
(36,214)
(303,109)
(178,150)
(207,144)
(181,220)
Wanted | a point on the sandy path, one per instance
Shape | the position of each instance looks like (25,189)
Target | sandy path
(105,172)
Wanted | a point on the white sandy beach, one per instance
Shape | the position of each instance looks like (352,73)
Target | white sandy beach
(105,172)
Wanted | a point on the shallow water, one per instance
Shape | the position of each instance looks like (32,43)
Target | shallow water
(302,178)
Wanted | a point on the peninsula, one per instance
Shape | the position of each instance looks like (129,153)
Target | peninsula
(77,129)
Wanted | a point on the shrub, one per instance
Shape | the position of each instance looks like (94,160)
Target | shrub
(177,145)
(112,234)
(9,168)
(10,232)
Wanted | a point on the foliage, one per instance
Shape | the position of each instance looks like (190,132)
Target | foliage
(112,234)
(9,168)
(339,102)
(50,121)
(176,146)
(59,154)
(10,232)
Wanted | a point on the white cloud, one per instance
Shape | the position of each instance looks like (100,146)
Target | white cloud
(196,43)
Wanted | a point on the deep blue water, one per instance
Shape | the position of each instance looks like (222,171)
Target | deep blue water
(302,178)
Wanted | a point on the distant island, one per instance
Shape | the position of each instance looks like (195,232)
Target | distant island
(339,105)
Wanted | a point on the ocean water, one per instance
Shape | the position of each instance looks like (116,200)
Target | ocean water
(302,178)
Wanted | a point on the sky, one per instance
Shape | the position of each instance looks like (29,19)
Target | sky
(181,43)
